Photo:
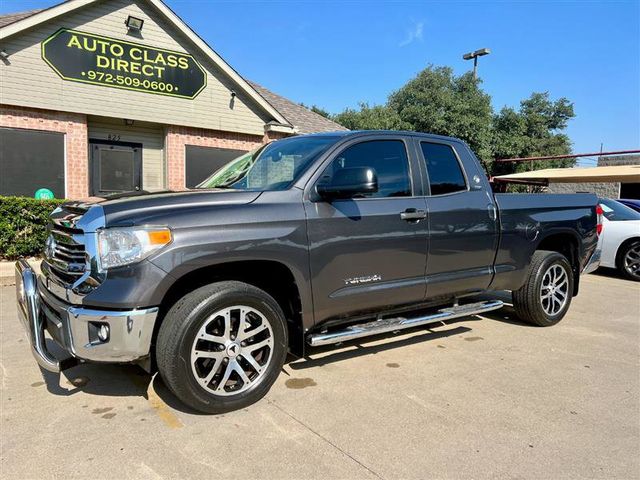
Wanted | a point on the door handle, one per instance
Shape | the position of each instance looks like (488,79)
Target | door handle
(413,215)
(493,213)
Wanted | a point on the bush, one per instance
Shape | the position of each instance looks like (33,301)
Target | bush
(23,225)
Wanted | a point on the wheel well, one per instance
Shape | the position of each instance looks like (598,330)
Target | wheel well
(273,277)
(567,245)
(623,245)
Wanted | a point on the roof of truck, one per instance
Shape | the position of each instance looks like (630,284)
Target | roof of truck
(357,133)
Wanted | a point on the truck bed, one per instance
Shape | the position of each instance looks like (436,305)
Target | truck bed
(529,220)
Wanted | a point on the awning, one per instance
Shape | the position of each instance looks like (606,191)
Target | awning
(618,173)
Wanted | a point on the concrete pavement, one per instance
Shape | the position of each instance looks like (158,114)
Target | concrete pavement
(477,398)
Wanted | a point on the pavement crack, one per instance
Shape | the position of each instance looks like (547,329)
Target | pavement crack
(325,439)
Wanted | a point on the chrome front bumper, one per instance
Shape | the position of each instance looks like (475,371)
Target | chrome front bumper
(74,328)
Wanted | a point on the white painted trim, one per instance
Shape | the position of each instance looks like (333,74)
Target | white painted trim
(66,169)
(173,19)
(43,16)
(269,127)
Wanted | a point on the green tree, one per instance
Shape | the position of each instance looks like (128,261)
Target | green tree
(318,110)
(437,101)
(378,117)
(536,129)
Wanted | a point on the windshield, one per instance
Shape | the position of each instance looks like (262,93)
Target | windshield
(274,166)
(615,211)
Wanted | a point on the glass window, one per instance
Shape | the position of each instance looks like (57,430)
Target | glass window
(117,170)
(272,167)
(445,174)
(201,162)
(31,160)
(387,157)
(615,211)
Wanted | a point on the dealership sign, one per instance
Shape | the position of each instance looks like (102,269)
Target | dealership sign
(88,58)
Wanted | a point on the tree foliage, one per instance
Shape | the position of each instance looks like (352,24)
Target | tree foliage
(378,117)
(536,129)
(316,109)
(23,225)
(437,101)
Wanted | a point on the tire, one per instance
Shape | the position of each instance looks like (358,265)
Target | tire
(628,260)
(540,301)
(201,360)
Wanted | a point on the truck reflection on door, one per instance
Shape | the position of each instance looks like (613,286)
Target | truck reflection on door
(116,167)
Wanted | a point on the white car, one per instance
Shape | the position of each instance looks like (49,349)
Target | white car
(620,238)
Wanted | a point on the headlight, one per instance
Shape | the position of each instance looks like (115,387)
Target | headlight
(122,246)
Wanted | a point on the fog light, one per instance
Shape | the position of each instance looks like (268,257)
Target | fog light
(103,332)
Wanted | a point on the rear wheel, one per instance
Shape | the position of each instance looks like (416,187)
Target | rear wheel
(629,260)
(221,347)
(545,297)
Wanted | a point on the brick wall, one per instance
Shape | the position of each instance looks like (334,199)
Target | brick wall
(73,125)
(607,190)
(177,137)
(619,160)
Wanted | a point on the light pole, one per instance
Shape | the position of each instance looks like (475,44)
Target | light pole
(475,55)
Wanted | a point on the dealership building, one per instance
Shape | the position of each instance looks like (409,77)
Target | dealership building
(104,96)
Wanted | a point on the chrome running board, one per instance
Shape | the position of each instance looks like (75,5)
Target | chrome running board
(399,323)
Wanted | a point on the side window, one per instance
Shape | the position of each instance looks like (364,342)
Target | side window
(445,174)
(387,157)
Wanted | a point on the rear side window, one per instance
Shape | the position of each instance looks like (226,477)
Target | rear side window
(445,174)
(387,157)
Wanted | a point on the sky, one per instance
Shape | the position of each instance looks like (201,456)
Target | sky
(335,54)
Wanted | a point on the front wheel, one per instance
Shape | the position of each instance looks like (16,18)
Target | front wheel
(222,346)
(545,297)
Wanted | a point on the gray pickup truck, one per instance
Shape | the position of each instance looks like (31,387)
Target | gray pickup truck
(310,240)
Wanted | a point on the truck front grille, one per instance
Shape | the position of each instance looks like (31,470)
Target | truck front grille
(65,253)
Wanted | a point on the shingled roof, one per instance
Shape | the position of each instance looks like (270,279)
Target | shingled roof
(303,119)
(10,18)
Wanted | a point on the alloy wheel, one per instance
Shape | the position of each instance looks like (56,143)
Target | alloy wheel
(232,350)
(632,261)
(554,290)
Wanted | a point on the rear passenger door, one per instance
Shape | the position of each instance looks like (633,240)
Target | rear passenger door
(363,255)
(462,220)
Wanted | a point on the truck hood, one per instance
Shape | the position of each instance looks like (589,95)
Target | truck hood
(149,208)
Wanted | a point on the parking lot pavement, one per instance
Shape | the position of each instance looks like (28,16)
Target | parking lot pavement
(477,398)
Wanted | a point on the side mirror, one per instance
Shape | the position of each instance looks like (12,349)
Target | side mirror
(348,182)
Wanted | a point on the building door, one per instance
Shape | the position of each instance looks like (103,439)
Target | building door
(116,167)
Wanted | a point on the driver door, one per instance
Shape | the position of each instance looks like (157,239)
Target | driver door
(364,256)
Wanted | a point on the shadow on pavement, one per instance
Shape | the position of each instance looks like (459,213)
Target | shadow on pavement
(362,349)
(108,380)
(610,273)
